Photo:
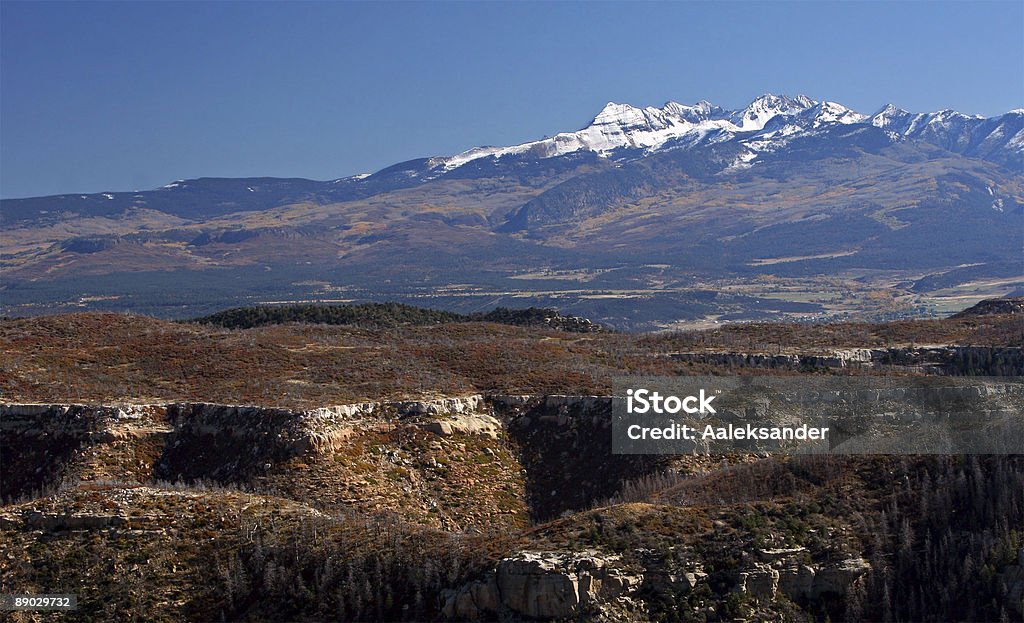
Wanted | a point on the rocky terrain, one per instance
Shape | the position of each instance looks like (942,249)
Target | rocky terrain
(566,534)
(476,486)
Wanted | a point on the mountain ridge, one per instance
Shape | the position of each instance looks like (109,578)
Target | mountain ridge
(647,215)
(623,126)
(672,122)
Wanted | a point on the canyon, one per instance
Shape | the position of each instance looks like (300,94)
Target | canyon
(464,470)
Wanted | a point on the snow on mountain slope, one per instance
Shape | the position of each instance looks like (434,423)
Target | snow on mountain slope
(997,138)
(617,126)
(910,124)
(766,107)
(767,124)
(621,126)
(826,113)
(782,128)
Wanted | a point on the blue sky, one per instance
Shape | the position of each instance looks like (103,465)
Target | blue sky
(120,96)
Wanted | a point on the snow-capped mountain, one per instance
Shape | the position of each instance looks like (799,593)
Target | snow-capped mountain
(787,186)
(616,127)
(997,138)
(765,108)
(624,127)
(726,140)
(769,122)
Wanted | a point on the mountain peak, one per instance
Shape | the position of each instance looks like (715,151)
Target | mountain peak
(892,118)
(613,112)
(770,100)
(695,113)
(826,112)
(890,108)
(764,107)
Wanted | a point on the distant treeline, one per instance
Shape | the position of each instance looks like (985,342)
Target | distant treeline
(383,315)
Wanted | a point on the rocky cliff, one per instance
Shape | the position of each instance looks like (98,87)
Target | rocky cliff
(948,360)
(779,539)
(49,444)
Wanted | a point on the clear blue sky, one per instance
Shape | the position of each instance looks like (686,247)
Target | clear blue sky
(110,96)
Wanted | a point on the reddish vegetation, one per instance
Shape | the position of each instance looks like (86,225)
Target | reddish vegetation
(113,357)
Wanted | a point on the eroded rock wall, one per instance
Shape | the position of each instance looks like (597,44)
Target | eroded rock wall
(45,445)
(950,360)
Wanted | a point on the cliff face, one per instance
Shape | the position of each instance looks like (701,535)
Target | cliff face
(559,445)
(593,584)
(49,445)
(775,538)
(551,454)
(948,360)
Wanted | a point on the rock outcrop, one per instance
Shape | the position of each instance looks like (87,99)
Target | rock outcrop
(564,585)
(788,571)
(466,424)
(950,360)
(545,585)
